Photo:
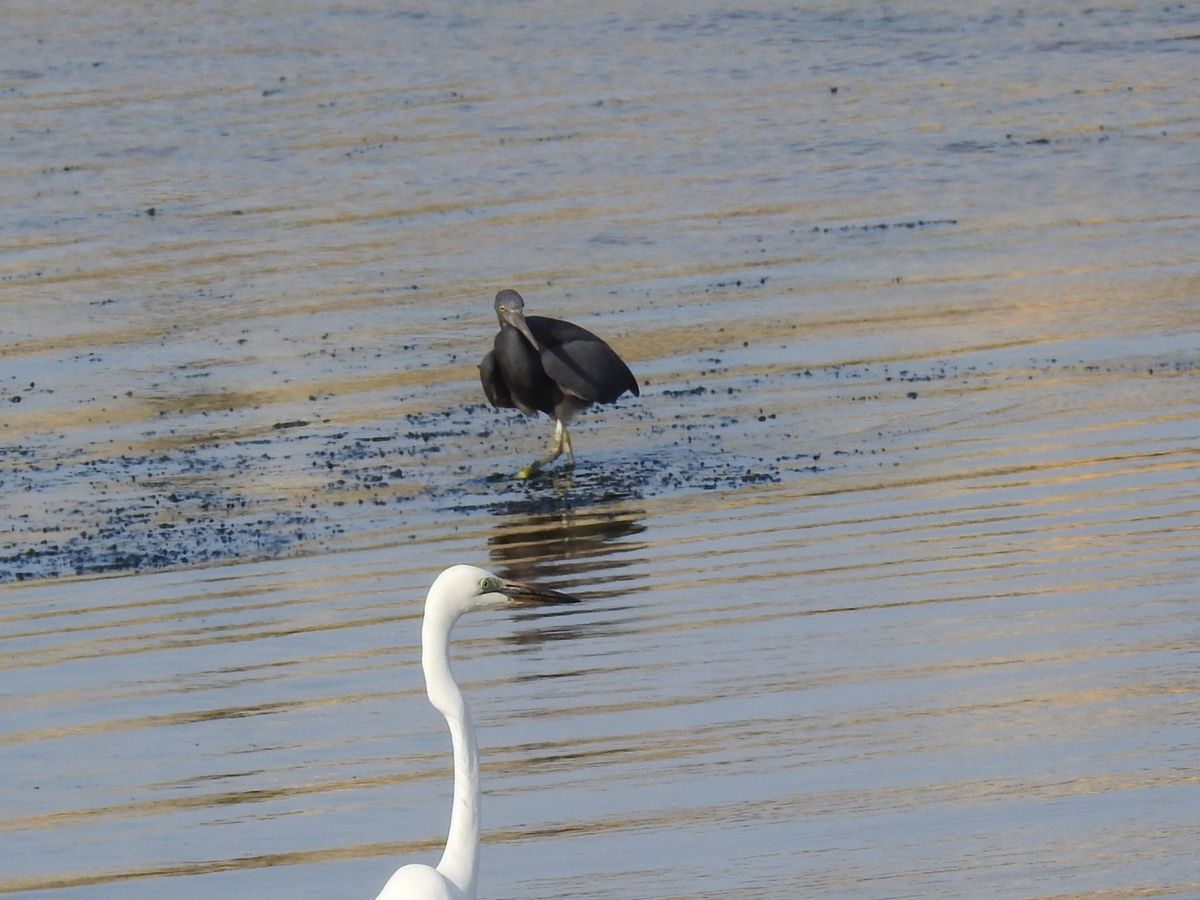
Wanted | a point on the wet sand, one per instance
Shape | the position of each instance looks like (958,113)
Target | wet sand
(889,573)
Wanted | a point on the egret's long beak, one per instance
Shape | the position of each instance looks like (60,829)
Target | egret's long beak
(520,594)
(516,318)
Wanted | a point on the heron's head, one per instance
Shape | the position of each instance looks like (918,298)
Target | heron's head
(510,310)
(470,588)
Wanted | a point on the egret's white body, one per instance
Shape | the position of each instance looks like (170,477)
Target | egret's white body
(457,590)
(418,882)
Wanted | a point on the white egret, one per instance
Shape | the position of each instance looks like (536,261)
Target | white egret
(457,590)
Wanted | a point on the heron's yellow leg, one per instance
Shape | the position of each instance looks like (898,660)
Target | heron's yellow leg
(561,440)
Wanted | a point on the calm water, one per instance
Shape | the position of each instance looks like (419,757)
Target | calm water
(890,572)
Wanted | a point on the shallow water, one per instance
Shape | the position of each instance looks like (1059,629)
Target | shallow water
(889,574)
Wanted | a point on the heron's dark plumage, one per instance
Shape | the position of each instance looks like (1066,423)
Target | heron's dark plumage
(493,384)
(571,369)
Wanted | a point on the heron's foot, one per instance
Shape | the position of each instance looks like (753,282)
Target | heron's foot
(562,441)
(529,471)
(538,464)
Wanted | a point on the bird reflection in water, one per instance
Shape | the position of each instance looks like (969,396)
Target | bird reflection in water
(566,545)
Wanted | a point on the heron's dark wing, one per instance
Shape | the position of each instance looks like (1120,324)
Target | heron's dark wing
(580,363)
(493,383)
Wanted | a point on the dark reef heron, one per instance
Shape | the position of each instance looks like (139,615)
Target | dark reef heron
(551,366)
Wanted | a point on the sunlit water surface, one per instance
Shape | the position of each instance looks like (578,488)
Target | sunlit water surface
(890,574)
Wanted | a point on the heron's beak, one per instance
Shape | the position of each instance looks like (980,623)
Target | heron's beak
(516,319)
(531,595)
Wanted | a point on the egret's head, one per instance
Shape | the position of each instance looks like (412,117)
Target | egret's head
(470,588)
(510,310)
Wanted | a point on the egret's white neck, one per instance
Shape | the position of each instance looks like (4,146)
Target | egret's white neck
(460,861)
